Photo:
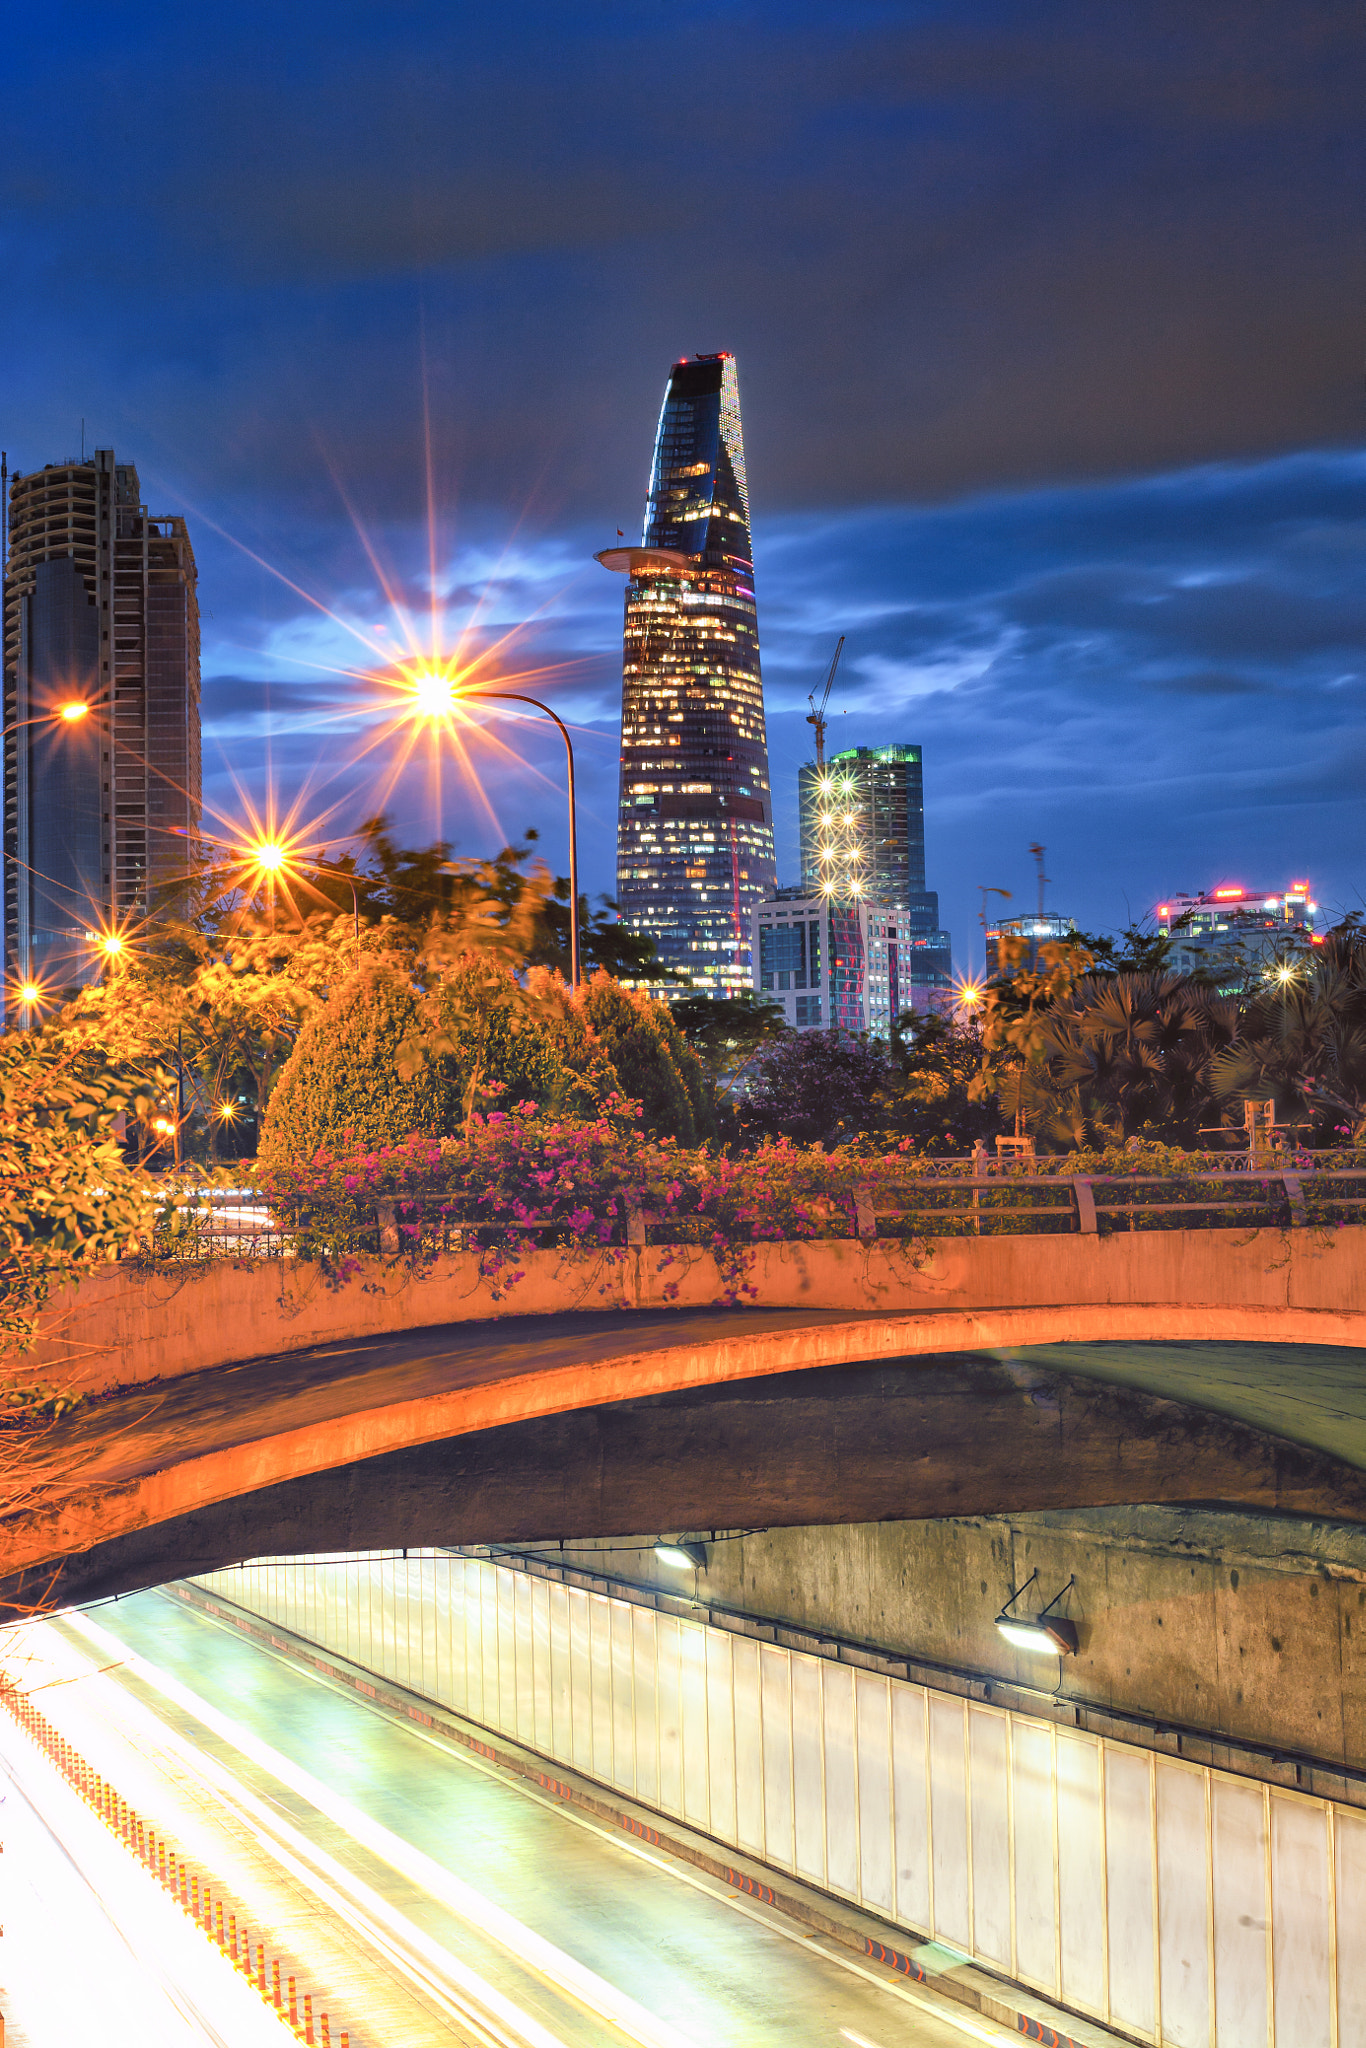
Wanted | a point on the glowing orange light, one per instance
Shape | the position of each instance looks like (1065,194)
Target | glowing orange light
(434,693)
(1221,895)
(163,1124)
(30,993)
(1164,910)
(111,944)
(75,710)
(226,1112)
(269,856)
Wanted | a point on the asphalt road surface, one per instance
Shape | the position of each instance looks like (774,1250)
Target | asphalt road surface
(427,1896)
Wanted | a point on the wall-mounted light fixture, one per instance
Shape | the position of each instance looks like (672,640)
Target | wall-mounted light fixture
(1052,1634)
(688,1557)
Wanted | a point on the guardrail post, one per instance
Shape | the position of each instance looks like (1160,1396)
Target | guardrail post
(1086,1206)
(1295,1195)
(979,1173)
(388,1228)
(865,1221)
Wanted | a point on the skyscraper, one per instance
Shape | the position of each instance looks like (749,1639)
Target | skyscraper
(862,823)
(100,605)
(695,817)
(860,937)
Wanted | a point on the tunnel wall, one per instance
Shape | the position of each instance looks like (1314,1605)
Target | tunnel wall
(1181,1904)
(1249,1628)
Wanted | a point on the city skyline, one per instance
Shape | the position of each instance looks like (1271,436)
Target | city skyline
(1092,533)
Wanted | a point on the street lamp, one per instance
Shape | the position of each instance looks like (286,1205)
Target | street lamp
(269,857)
(69,712)
(437,695)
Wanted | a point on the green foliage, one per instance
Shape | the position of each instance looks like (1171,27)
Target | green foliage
(1135,951)
(654,1064)
(67,1202)
(1303,1043)
(500,1039)
(1077,1058)
(342,1081)
(726,1032)
(930,1100)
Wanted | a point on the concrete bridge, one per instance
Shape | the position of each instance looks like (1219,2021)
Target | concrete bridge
(242,1409)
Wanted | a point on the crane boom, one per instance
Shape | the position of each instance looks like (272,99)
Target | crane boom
(816,715)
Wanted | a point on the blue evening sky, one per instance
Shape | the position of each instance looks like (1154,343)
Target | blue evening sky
(1049,325)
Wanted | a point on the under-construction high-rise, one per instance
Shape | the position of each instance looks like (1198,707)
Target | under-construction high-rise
(100,608)
(695,817)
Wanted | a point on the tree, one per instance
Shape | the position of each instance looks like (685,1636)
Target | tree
(819,1087)
(727,1031)
(1134,952)
(1303,1042)
(935,1062)
(67,1201)
(1132,1055)
(427,887)
(655,1065)
(1081,1058)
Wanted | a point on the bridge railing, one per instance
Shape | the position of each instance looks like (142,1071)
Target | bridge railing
(720,1204)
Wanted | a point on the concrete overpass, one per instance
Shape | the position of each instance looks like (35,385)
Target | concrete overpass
(237,1410)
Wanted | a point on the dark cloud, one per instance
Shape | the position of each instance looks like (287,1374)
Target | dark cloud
(1162,679)
(953,246)
(973,258)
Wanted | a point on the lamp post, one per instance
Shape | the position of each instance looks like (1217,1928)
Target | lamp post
(71,712)
(437,696)
(514,697)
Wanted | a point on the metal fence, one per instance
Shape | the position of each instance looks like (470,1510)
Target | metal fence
(929,1198)
(1182,1904)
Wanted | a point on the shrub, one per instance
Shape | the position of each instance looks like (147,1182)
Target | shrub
(341,1083)
(655,1066)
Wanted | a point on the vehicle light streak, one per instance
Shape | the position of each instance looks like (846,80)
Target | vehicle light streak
(148,1970)
(527,1948)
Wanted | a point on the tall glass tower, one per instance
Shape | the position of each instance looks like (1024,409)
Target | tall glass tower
(863,824)
(695,817)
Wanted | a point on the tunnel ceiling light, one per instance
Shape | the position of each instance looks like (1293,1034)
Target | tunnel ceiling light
(688,1557)
(1044,1633)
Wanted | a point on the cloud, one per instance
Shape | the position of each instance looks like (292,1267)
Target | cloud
(1161,678)
(954,247)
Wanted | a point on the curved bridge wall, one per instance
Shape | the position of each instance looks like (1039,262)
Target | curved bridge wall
(127,1325)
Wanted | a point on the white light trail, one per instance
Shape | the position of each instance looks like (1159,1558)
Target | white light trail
(521,1943)
(88,1931)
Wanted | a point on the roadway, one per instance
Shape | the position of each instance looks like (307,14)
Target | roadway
(427,1896)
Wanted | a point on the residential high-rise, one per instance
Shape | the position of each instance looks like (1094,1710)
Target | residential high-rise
(100,605)
(695,817)
(856,965)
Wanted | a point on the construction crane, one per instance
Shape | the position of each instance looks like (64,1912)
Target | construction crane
(816,715)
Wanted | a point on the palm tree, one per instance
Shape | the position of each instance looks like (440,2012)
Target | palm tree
(1303,1043)
(1128,1053)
